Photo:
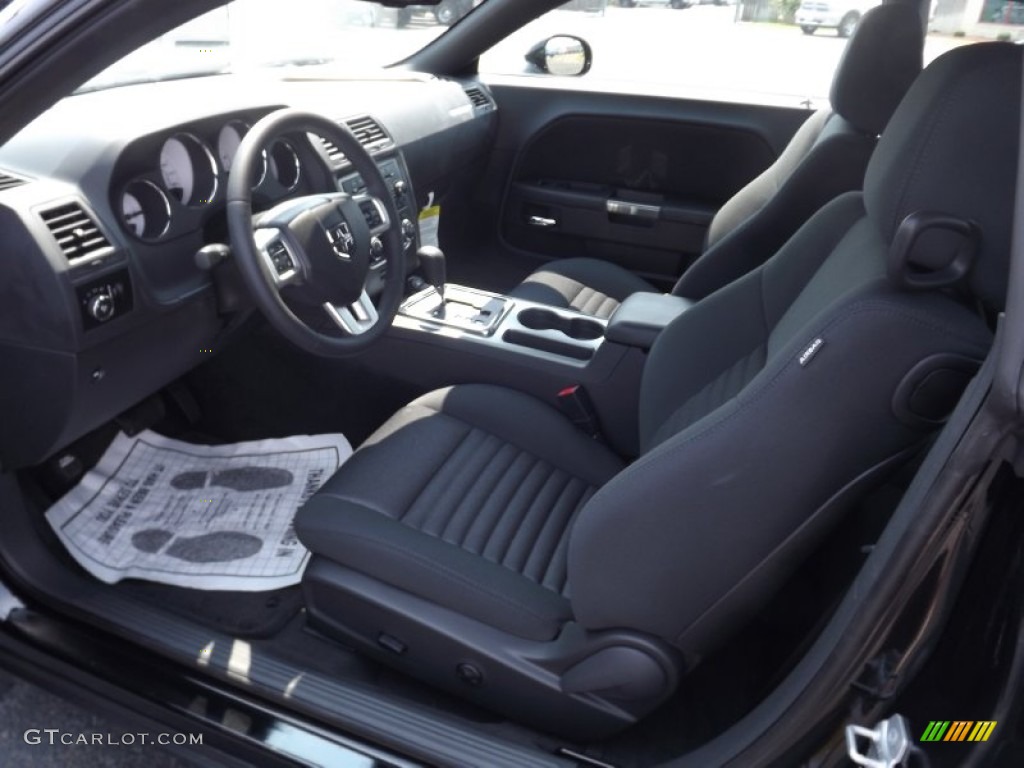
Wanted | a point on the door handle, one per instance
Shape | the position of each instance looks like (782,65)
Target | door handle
(542,221)
(627,209)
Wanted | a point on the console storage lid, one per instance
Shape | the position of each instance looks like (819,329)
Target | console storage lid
(642,316)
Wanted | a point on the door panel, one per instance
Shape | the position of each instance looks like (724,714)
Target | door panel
(630,179)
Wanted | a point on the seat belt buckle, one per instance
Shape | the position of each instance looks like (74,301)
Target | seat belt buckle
(575,404)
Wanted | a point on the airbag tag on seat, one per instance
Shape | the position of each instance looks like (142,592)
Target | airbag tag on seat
(811,351)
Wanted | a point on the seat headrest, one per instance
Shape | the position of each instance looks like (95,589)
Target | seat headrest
(881,60)
(951,149)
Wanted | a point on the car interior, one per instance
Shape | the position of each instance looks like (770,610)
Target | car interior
(826,157)
(624,427)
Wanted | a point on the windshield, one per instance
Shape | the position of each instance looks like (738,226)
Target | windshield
(253,34)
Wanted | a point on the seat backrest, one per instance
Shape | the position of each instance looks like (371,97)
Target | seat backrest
(766,400)
(826,157)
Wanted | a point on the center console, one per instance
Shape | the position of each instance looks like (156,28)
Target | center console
(472,336)
(505,325)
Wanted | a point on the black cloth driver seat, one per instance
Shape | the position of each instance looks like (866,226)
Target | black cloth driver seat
(482,543)
(826,157)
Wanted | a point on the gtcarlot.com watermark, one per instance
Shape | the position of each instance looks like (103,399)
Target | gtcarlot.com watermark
(55,737)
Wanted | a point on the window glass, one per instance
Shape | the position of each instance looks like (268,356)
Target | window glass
(248,34)
(781,52)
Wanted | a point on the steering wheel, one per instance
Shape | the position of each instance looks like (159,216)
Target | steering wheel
(317,250)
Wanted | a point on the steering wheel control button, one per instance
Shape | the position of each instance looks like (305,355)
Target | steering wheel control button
(280,258)
(276,256)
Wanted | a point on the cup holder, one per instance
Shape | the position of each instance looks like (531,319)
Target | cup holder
(580,328)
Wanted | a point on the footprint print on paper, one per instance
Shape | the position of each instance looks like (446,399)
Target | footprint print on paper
(213,547)
(240,479)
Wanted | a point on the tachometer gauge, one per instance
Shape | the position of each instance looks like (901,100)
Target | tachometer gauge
(284,164)
(145,210)
(228,140)
(188,169)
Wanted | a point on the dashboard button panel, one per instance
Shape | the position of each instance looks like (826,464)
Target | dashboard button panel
(390,169)
(104,298)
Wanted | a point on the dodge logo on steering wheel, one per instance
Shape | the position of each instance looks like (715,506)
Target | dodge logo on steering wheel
(341,240)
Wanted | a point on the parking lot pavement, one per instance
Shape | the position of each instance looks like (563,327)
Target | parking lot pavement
(26,709)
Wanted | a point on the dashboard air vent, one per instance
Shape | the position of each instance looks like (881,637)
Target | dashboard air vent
(478,97)
(75,232)
(8,181)
(367,130)
(332,151)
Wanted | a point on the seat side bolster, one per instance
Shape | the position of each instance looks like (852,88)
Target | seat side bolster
(759,190)
(835,165)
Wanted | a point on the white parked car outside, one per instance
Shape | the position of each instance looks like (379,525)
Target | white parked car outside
(841,15)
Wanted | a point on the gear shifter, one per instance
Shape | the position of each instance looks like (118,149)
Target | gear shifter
(467,310)
(432,262)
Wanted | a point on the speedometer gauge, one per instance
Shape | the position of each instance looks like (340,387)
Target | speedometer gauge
(145,210)
(228,141)
(188,169)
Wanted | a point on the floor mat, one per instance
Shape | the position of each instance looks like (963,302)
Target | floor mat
(197,516)
(243,614)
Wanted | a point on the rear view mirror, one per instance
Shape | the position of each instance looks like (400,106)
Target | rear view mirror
(563,55)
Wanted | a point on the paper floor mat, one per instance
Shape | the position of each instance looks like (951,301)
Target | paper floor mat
(203,517)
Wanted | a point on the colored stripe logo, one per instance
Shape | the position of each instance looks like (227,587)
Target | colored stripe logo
(958,730)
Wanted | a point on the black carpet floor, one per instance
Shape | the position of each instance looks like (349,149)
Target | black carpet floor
(241,614)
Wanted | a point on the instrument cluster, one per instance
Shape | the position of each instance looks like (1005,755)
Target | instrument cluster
(173,180)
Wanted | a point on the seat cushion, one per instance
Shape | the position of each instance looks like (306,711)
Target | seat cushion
(590,286)
(465,498)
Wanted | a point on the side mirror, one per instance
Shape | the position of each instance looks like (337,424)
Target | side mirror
(564,55)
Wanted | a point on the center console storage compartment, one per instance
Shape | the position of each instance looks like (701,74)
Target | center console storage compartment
(582,328)
(641,317)
(558,332)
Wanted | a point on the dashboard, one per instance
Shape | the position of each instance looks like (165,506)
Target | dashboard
(107,198)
